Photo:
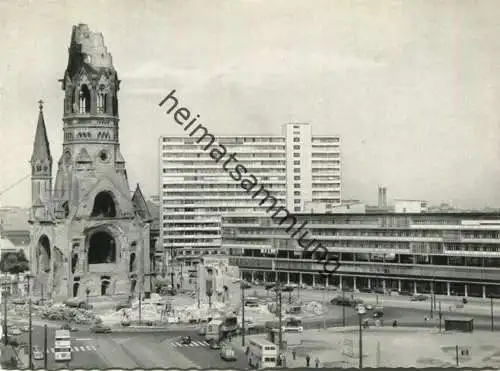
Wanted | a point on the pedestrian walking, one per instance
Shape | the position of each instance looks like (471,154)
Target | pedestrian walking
(317,362)
(308,360)
(294,354)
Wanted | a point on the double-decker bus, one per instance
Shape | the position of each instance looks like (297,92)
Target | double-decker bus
(62,345)
(261,353)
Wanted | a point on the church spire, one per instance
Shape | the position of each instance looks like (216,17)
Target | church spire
(41,149)
(140,205)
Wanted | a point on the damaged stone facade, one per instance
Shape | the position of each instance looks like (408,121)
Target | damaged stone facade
(87,232)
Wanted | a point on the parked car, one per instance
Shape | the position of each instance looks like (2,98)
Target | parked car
(122,305)
(25,328)
(37,353)
(15,331)
(379,291)
(419,297)
(368,306)
(100,329)
(69,327)
(365,290)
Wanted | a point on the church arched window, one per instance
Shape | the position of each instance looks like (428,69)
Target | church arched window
(101,100)
(72,98)
(84,99)
(115,106)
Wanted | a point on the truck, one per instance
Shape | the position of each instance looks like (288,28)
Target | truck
(62,345)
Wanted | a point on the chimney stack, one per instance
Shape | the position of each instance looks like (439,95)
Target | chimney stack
(380,198)
(384,197)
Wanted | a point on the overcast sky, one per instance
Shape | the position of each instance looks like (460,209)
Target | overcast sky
(412,87)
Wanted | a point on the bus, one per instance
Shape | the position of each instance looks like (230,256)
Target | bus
(62,345)
(220,328)
(261,353)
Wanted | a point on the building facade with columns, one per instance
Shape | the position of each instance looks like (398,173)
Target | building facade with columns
(445,253)
(88,231)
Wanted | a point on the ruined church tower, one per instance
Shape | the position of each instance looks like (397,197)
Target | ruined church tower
(88,231)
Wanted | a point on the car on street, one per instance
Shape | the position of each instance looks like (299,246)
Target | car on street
(419,297)
(69,327)
(15,331)
(186,340)
(214,345)
(227,353)
(100,329)
(368,306)
(25,328)
(37,353)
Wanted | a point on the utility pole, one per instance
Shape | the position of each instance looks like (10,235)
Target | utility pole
(4,293)
(491,308)
(343,307)
(140,308)
(243,286)
(197,288)
(280,320)
(432,299)
(45,345)
(30,325)
(440,316)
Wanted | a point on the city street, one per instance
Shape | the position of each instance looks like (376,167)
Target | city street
(143,349)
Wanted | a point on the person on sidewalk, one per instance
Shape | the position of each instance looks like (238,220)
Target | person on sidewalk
(294,354)
(308,360)
(317,362)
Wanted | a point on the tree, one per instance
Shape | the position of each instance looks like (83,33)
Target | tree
(14,263)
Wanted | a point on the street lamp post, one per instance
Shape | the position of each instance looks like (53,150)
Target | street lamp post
(279,288)
(361,312)
(491,311)
(343,307)
(30,325)
(244,285)
(87,293)
(4,297)
(209,294)
(440,316)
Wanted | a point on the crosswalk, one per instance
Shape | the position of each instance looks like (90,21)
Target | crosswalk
(193,344)
(79,348)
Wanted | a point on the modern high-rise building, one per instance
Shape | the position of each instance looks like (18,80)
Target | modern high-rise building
(292,169)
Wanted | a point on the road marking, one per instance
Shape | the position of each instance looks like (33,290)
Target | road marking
(86,339)
(91,347)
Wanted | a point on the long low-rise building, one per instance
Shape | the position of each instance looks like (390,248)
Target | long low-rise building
(444,253)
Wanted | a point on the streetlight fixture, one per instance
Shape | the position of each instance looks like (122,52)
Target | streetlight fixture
(361,312)
(30,326)
(243,286)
